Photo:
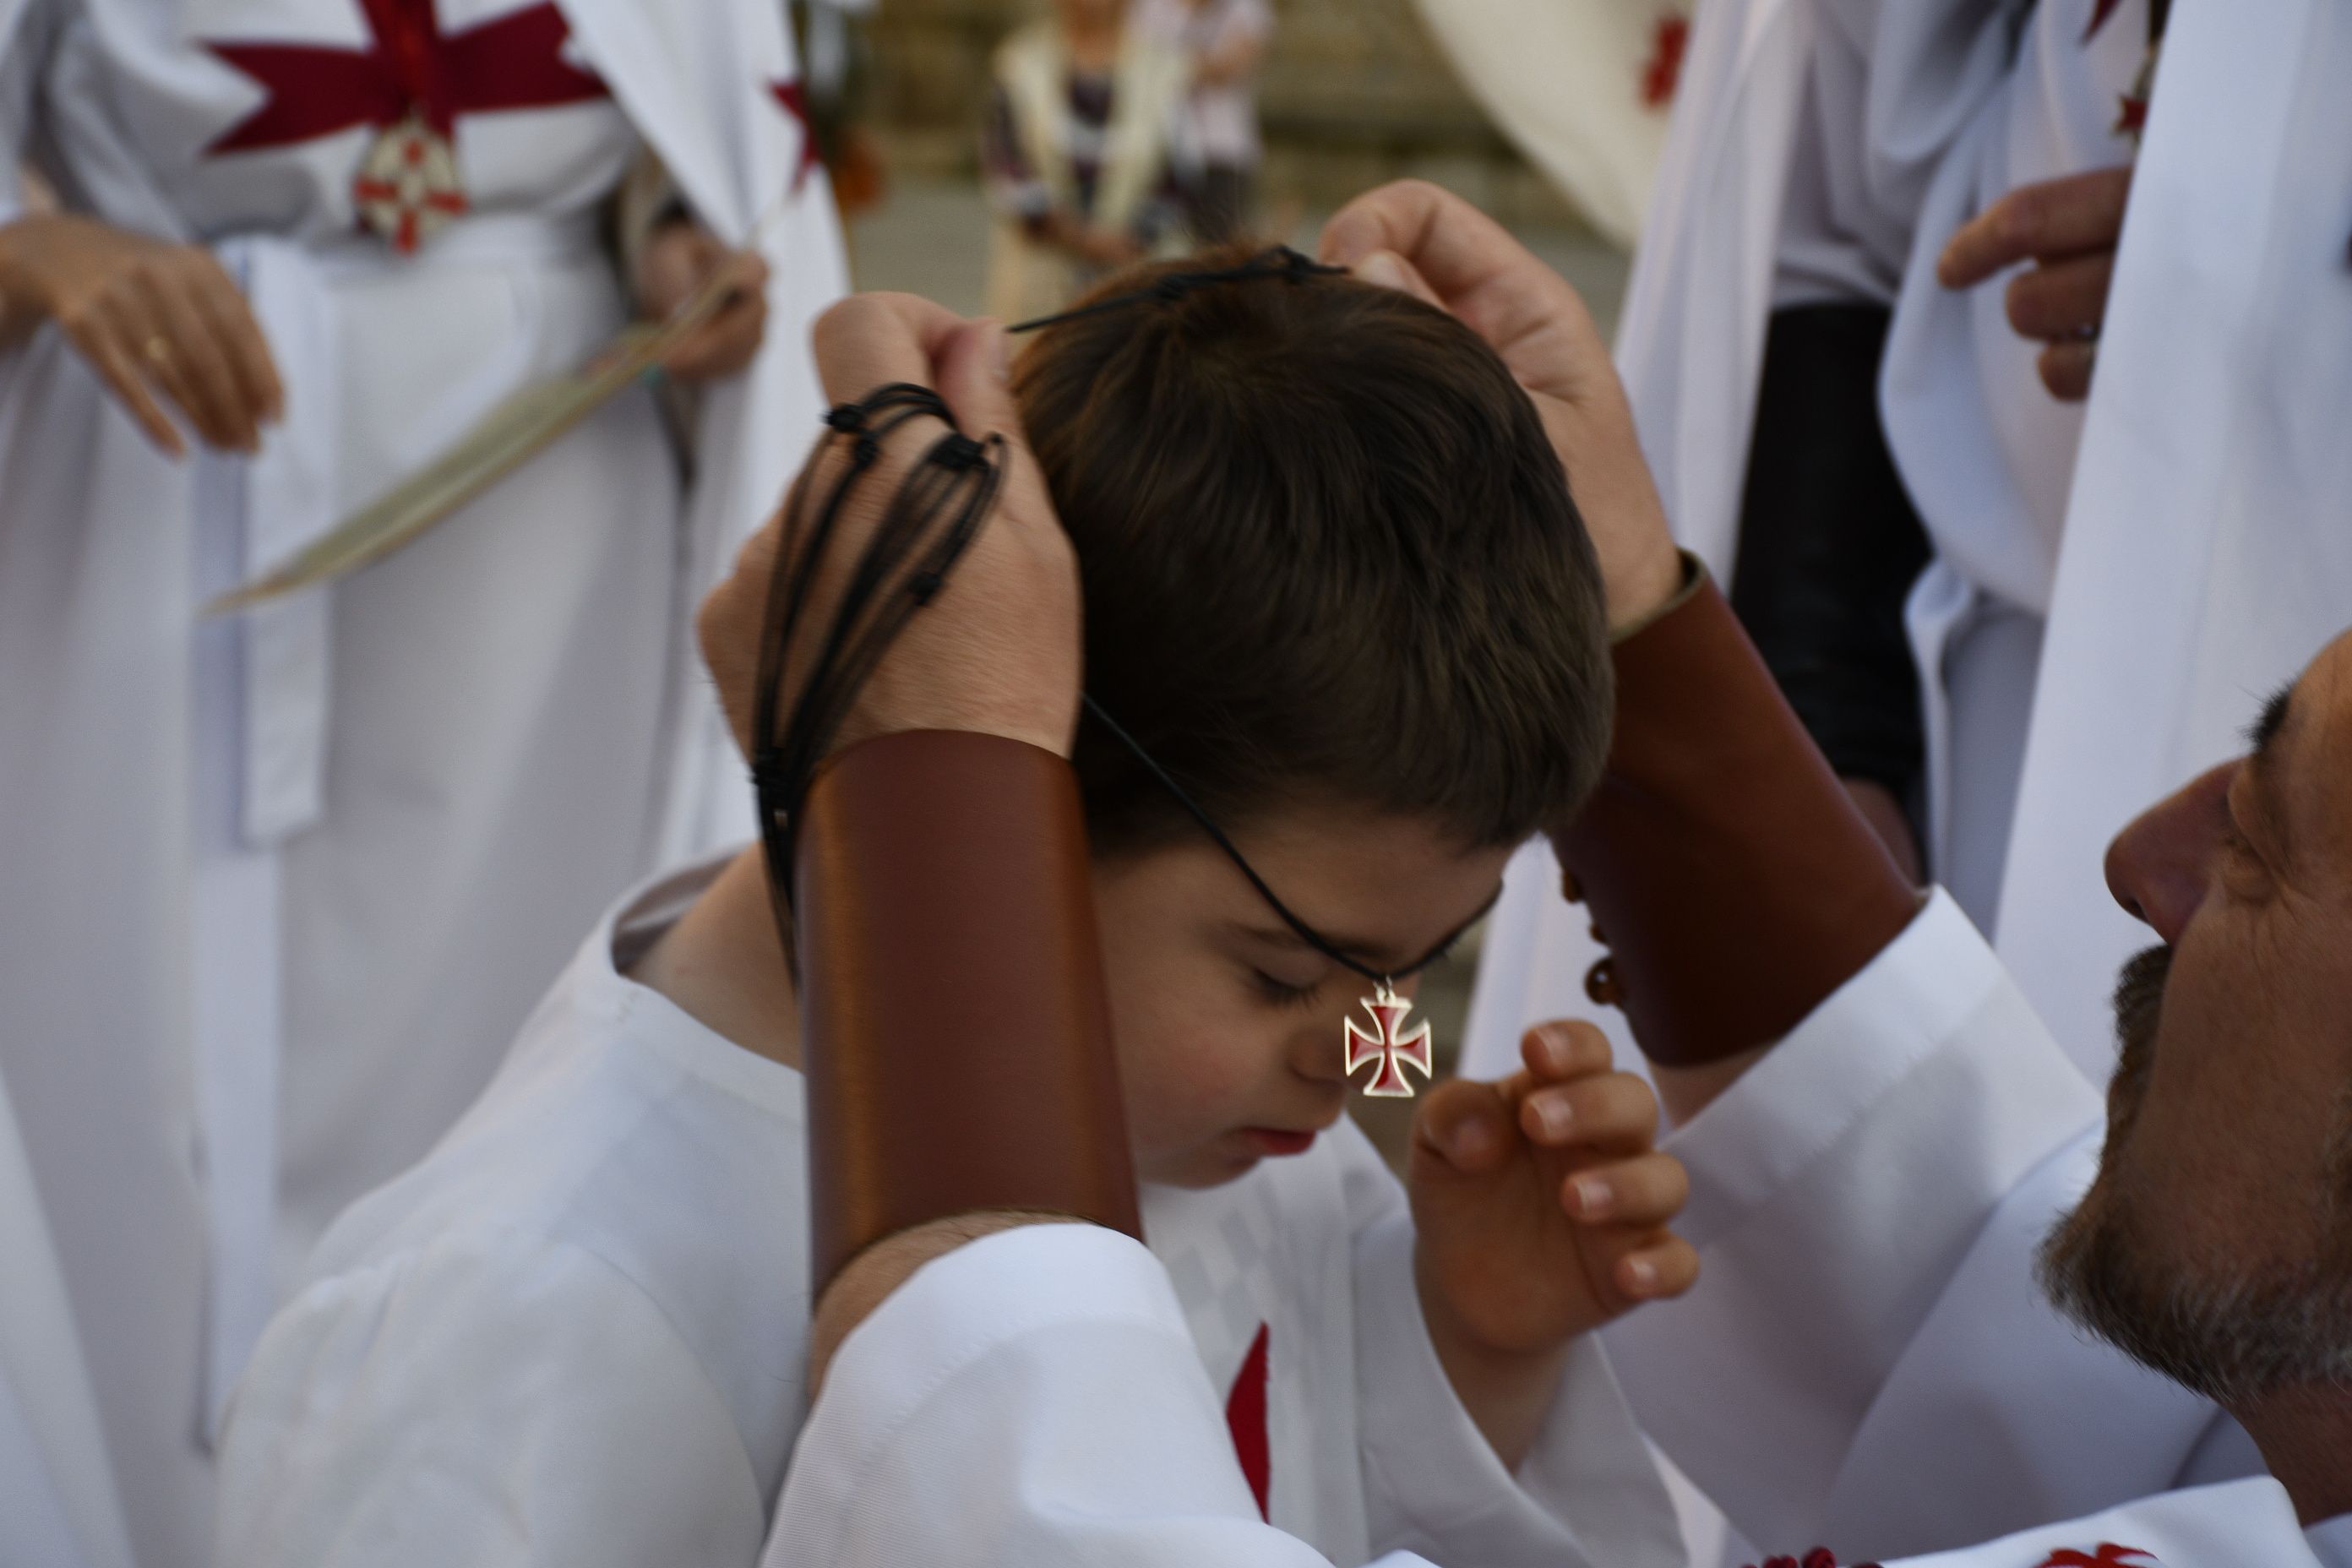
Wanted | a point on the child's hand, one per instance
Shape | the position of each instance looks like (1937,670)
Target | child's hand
(1541,1202)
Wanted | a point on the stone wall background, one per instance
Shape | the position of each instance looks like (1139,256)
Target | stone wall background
(1353,92)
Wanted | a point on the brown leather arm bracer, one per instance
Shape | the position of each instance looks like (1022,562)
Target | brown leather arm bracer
(1733,880)
(957,1034)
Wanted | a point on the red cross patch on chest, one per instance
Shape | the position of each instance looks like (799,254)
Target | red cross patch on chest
(412,80)
(1246,1419)
(2108,1555)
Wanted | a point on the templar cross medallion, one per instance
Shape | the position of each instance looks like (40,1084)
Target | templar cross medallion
(1388,1047)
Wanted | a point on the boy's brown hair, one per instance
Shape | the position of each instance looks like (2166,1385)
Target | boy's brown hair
(1328,555)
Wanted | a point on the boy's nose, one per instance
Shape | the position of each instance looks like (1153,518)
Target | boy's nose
(2158,867)
(1319,1051)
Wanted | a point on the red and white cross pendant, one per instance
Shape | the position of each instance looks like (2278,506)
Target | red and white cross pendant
(407,186)
(1393,1046)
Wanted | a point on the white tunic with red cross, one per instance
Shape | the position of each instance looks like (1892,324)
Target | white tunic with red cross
(1296,1281)
(283,888)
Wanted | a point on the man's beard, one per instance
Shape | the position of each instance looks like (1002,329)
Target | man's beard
(2223,1332)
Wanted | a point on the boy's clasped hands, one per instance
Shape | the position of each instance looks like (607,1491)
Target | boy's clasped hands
(1540,1204)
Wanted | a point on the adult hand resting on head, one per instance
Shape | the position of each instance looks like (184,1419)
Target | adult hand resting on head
(996,651)
(2068,228)
(152,319)
(1414,236)
(902,1169)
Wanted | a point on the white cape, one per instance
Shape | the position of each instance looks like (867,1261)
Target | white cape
(2206,555)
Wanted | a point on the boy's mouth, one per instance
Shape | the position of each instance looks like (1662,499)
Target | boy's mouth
(1278,1142)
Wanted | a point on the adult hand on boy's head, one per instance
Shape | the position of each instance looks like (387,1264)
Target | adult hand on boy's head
(1428,242)
(996,650)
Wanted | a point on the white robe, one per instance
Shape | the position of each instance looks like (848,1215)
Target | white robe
(59,1506)
(2206,558)
(1866,1366)
(282,887)
(1825,150)
(574,1334)
(1031,1398)
(1584,88)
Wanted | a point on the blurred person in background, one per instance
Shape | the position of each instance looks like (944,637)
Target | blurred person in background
(283,885)
(1078,153)
(1877,453)
(837,58)
(1226,42)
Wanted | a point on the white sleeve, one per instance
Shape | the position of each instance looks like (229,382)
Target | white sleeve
(1034,1397)
(1588,1491)
(1867,1361)
(483,1403)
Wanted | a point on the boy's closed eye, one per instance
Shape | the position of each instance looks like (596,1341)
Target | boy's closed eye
(1284,992)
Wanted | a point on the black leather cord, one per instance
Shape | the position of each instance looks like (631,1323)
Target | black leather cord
(933,517)
(1305,932)
(1279,262)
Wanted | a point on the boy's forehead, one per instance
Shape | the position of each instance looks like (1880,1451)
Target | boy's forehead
(1382,887)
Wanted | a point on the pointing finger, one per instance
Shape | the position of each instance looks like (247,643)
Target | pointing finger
(2051,218)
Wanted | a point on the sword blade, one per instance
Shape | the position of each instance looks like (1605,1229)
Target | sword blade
(501,441)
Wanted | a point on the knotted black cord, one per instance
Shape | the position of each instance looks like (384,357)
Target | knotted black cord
(1279,262)
(902,568)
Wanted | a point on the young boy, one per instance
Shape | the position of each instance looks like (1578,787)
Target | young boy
(1336,589)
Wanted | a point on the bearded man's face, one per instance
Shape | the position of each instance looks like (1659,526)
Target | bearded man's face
(2216,1244)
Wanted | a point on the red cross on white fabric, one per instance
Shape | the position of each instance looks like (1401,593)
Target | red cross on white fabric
(2110,1556)
(414,81)
(1246,1419)
(2100,11)
(514,61)
(793,96)
(1664,73)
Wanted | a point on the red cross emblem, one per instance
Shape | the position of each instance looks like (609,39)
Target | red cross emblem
(1246,1419)
(412,81)
(1664,71)
(2110,1556)
(793,96)
(1388,1046)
